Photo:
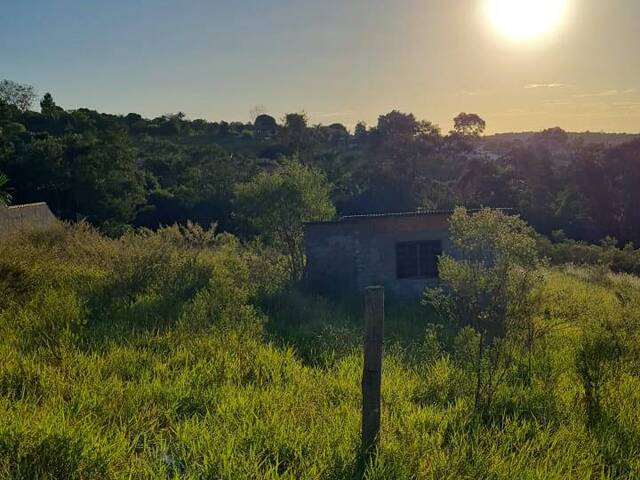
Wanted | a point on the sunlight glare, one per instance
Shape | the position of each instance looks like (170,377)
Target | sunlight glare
(522,20)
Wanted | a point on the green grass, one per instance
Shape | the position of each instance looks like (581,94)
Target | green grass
(181,355)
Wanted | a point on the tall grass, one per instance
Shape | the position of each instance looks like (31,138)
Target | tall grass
(182,354)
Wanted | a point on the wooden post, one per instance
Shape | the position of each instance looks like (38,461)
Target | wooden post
(372,371)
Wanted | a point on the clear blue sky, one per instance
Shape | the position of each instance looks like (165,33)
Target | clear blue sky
(337,60)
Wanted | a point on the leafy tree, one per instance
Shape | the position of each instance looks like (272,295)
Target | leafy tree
(529,175)
(7,112)
(489,288)
(360,131)
(403,151)
(335,135)
(276,206)
(48,107)
(106,183)
(81,176)
(294,131)
(265,124)
(469,124)
(554,138)
(397,126)
(20,95)
(5,196)
(482,183)
(190,183)
(552,179)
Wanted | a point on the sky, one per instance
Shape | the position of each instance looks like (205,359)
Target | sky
(339,61)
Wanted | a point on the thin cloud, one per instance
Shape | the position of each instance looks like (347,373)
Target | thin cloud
(545,85)
(627,105)
(606,93)
(331,114)
(472,93)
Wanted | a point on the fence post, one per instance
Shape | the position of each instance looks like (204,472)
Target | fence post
(372,371)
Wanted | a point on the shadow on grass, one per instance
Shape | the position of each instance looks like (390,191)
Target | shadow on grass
(323,329)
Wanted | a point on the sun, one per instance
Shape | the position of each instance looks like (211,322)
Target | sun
(524,20)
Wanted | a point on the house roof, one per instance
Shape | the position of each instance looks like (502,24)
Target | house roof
(27,205)
(364,216)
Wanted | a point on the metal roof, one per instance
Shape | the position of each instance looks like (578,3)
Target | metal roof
(27,205)
(347,218)
(397,214)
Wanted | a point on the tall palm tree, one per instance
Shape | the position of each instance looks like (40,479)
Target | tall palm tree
(5,196)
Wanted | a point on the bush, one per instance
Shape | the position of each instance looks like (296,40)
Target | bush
(565,251)
(488,291)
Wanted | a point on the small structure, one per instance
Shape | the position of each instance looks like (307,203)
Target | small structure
(32,215)
(397,250)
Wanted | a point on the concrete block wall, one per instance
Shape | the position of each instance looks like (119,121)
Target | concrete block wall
(17,217)
(332,258)
(355,252)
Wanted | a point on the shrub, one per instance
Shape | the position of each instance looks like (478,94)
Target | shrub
(489,291)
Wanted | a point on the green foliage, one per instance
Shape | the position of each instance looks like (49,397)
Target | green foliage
(19,95)
(82,176)
(294,131)
(562,251)
(5,196)
(265,124)
(171,169)
(489,288)
(492,274)
(469,124)
(276,206)
(179,354)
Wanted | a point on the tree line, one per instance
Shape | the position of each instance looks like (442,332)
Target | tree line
(124,171)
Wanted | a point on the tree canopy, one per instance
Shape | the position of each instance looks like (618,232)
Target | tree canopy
(276,205)
(135,171)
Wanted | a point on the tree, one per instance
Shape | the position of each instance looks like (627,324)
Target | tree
(20,95)
(489,288)
(397,126)
(335,134)
(105,182)
(5,196)
(360,131)
(265,124)
(192,183)
(403,150)
(48,107)
(276,206)
(89,176)
(469,125)
(553,138)
(294,131)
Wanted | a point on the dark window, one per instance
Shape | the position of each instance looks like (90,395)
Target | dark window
(418,259)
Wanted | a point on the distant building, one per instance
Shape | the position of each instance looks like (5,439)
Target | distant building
(397,250)
(32,215)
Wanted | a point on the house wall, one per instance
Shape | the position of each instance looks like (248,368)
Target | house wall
(358,252)
(17,217)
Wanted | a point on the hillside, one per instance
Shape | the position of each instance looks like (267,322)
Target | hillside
(500,143)
(123,172)
(612,139)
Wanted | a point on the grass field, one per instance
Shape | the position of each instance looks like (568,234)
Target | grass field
(180,354)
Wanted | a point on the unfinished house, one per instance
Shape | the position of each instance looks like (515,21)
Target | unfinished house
(18,217)
(397,250)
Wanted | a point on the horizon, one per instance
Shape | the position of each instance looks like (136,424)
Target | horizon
(338,63)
